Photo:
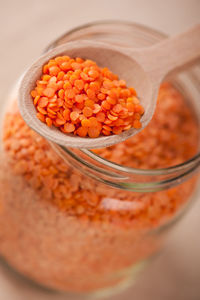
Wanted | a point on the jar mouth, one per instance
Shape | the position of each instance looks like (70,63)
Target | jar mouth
(127,178)
(188,164)
(152,31)
(154,179)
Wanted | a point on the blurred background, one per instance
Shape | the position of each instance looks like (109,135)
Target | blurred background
(26,27)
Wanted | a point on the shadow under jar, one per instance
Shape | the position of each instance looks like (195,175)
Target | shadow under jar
(85,221)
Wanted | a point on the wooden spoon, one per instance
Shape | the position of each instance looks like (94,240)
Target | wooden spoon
(143,68)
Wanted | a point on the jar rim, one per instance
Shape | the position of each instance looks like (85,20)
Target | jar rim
(176,171)
(160,171)
(154,31)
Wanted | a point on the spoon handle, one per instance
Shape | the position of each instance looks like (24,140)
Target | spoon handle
(169,55)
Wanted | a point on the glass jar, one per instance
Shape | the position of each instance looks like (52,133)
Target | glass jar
(78,221)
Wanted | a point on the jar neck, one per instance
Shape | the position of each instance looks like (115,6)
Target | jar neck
(87,162)
(126,178)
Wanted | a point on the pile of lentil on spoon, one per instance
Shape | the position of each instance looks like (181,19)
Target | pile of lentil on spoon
(79,97)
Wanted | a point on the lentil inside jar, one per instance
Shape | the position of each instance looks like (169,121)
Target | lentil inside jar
(75,233)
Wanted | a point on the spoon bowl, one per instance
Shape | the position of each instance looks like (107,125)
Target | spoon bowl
(128,69)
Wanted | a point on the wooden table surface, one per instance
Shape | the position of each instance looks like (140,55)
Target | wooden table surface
(26,27)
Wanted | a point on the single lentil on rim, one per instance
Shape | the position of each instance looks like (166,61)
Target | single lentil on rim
(79,97)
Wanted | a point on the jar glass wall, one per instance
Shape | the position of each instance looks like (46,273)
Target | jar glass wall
(86,222)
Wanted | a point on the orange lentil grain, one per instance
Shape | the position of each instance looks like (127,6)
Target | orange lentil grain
(138,108)
(65,66)
(76,66)
(85,123)
(112,118)
(41,117)
(122,83)
(108,84)
(53,79)
(59,85)
(137,124)
(51,111)
(33,93)
(89,103)
(101,96)
(79,84)
(117,130)
(106,127)
(43,101)
(41,83)
(106,105)
(41,110)
(60,121)
(69,93)
(66,114)
(51,116)
(117,108)
(49,92)
(130,106)
(80,106)
(136,116)
(127,127)
(82,131)
(86,70)
(60,75)
(93,73)
(107,121)
(39,91)
(68,103)
(97,108)
(45,69)
(36,100)
(74,115)
(101,117)
(94,86)
(79,98)
(93,122)
(133,91)
(59,59)
(91,93)
(67,85)
(113,93)
(79,60)
(84,76)
(60,116)
(104,91)
(53,85)
(54,70)
(136,100)
(46,77)
(69,127)
(61,94)
(105,132)
(52,63)
(93,132)
(87,111)
(49,122)
(72,79)
(55,123)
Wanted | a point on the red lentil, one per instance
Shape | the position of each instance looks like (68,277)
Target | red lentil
(136,151)
(90,89)
(66,218)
